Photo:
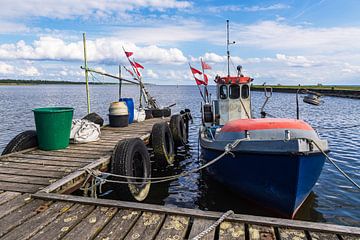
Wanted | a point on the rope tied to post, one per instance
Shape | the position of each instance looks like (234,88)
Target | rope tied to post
(100,175)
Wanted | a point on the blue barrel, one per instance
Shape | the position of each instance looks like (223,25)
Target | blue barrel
(130,104)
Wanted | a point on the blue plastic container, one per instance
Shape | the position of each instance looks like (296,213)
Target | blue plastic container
(130,104)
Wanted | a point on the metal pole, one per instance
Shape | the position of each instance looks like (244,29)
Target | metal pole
(86,75)
(297,104)
(227,47)
(120,82)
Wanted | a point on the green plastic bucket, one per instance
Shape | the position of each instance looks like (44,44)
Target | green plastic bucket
(53,126)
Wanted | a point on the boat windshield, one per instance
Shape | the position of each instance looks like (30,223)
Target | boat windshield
(234,91)
(223,92)
(245,91)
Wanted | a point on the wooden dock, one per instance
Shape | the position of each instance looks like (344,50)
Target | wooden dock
(33,203)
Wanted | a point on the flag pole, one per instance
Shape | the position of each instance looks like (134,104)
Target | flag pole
(197,85)
(140,87)
(86,75)
(205,86)
(120,82)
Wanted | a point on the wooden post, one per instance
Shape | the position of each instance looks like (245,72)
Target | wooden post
(120,82)
(86,75)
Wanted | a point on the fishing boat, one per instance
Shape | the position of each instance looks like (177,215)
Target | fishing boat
(274,161)
(312,98)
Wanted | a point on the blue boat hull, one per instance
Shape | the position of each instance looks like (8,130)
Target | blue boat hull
(280,182)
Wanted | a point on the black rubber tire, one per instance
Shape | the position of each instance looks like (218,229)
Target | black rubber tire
(95,118)
(163,144)
(157,113)
(22,141)
(131,158)
(178,130)
(167,112)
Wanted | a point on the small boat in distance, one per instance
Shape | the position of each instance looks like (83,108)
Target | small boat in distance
(274,161)
(312,98)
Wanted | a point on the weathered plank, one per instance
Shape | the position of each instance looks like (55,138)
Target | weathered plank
(174,227)
(257,232)
(321,236)
(92,153)
(31,172)
(43,162)
(258,220)
(26,179)
(7,196)
(14,204)
(53,158)
(146,226)
(65,223)
(350,237)
(20,187)
(36,167)
(89,227)
(119,225)
(62,154)
(231,230)
(38,222)
(287,234)
(19,216)
(199,225)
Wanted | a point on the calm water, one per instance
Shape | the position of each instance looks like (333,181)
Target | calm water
(333,198)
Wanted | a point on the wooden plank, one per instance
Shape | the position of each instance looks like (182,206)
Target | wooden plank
(19,216)
(199,225)
(89,227)
(20,187)
(44,162)
(26,179)
(94,152)
(31,172)
(53,158)
(352,237)
(76,176)
(258,232)
(278,222)
(7,196)
(321,236)
(16,153)
(146,226)
(38,222)
(36,167)
(287,234)
(231,230)
(119,226)
(62,154)
(14,204)
(174,227)
(65,223)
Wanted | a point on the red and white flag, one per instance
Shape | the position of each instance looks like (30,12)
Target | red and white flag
(136,65)
(204,65)
(195,71)
(199,82)
(128,54)
(129,71)
(206,79)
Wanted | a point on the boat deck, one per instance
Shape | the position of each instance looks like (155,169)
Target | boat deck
(34,204)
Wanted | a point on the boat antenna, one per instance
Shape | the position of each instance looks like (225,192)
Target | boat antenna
(227,46)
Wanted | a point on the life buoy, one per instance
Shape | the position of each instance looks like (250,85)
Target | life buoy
(163,144)
(22,141)
(131,158)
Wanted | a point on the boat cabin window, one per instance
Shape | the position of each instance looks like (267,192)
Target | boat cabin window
(234,91)
(223,92)
(245,91)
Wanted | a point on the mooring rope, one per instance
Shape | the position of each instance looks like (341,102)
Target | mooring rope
(227,150)
(213,226)
(335,165)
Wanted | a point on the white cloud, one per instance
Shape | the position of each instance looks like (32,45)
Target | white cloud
(68,9)
(254,8)
(30,71)
(104,50)
(295,61)
(150,73)
(6,68)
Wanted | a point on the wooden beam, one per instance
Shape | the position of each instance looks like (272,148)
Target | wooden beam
(276,222)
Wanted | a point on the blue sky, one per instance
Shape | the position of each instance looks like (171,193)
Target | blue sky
(286,42)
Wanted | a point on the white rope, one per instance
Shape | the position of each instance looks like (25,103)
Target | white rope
(213,226)
(227,150)
(335,165)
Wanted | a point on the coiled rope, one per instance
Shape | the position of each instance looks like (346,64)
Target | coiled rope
(227,150)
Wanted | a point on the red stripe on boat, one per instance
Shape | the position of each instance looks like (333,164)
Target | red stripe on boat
(265,123)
